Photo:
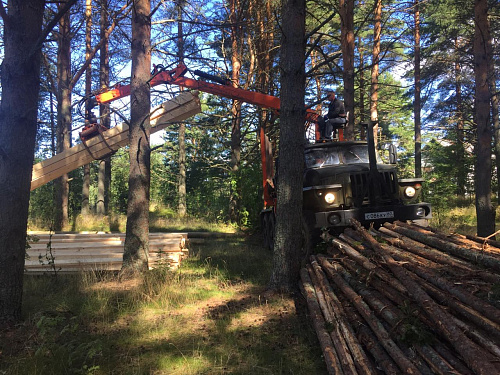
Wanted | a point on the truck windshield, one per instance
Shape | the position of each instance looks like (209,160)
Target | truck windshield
(354,154)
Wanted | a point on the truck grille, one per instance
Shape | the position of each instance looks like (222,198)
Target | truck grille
(361,185)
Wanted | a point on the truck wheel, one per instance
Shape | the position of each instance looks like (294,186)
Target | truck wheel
(306,247)
(271,229)
(264,227)
(308,241)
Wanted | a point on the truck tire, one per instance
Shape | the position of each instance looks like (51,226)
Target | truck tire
(268,222)
(271,229)
(264,228)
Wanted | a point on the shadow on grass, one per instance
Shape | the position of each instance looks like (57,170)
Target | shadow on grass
(210,317)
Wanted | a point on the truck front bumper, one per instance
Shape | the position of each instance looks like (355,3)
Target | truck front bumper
(376,215)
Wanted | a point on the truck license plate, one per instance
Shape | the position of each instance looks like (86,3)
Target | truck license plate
(379,215)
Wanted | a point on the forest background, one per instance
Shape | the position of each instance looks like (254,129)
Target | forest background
(209,167)
(425,71)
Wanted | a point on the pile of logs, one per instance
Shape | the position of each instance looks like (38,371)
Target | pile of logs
(406,299)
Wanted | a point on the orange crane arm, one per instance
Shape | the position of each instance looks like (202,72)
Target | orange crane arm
(176,77)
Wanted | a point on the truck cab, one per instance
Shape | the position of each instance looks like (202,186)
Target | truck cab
(341,184)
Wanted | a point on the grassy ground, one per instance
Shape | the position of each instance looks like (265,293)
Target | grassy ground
(212,316)
(461,219)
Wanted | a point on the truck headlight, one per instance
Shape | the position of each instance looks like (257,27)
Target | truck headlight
(329,198)
(410,192)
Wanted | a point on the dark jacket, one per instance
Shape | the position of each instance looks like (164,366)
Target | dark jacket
(335,109)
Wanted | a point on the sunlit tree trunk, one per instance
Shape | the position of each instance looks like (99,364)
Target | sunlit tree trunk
(484,208)
(235,17)
(136,248)
(362,89)
(104,174)
(182,203)
(288,238)
(417,106)
(88,89)
(347,44)
(377,28)
(63,117)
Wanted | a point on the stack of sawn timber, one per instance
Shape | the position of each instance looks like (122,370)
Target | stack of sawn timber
(64,252)
(181,107)
(405,300)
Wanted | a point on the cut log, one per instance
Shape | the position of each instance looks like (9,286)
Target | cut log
(177,109)
(476,358)
(448,247)
(329,354)
(405,365)
(351,354)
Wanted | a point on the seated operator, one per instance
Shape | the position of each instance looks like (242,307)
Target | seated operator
(335,118)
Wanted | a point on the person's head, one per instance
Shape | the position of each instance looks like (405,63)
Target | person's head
(330,95)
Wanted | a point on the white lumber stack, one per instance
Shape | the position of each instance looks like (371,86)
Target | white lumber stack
(181,107)
(99,252)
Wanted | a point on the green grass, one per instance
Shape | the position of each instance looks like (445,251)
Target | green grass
(209,317)
(461,219)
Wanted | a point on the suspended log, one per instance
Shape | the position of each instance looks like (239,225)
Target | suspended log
(177,109)
(475,357)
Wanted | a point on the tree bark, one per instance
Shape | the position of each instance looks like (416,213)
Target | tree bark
(286,263)
(347,44)
(88,90)
(182,202)
(484,208)
(417,105)
(63,117)
(236,40)
(477,359)
(104,174)
(460,141)
(331,358)
(377,29)
(20,80)
(136,248)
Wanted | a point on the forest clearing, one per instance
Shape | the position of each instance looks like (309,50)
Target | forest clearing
(255,180)
(214,314)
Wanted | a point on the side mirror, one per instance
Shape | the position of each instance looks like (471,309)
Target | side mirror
(393,154)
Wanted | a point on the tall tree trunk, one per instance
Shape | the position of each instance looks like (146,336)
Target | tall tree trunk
(460,141)
(136,248)
(88,90)
(236,40)
(20,80)
(417,106)
(377,28)
(104,175)
(347,44)
(494,111)
(286,263)
(484,209)
(63,117)
(362,90)
(182,203)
